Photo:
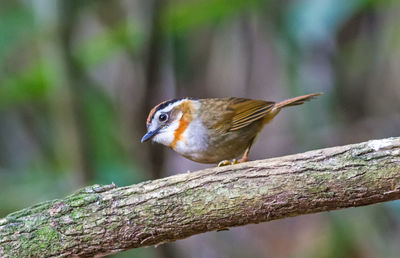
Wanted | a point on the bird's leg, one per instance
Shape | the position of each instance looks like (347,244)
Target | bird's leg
(246,152)
(245,155)
(234,161)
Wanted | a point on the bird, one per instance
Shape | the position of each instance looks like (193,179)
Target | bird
(213,130)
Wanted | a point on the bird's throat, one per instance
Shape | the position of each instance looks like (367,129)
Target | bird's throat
(183,124)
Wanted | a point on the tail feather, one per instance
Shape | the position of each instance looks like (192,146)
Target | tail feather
(296,100)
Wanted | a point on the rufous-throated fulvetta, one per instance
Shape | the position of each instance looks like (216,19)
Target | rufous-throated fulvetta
(214,130)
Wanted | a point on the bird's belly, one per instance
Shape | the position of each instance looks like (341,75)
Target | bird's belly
(194,142)
(199,145)
(204,150)
(226,148)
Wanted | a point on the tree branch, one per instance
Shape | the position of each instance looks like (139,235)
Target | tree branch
(99,220)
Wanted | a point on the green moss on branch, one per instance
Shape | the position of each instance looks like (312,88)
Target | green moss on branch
(99,220)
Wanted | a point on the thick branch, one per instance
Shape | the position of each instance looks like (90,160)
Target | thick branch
(104,219)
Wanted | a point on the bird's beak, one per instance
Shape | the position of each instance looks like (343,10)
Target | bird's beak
(150,134)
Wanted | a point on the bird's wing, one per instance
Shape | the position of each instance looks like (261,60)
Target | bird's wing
(246,111)
(230,114)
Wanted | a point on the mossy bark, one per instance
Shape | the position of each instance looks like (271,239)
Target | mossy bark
(99,220)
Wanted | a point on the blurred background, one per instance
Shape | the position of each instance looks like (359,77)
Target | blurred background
(78,77)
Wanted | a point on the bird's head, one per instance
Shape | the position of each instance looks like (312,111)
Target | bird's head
(168,120)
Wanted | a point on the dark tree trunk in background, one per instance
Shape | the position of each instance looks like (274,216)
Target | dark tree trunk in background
(80,84)
(154,56)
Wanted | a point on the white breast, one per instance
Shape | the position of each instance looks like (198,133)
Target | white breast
(194,140)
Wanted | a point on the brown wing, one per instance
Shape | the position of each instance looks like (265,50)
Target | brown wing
(231,114)
(246,111)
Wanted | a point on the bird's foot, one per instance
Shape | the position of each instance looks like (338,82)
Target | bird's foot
(228,162)
(243,159)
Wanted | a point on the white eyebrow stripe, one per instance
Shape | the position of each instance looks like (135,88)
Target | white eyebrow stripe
(171,106)
(154,123)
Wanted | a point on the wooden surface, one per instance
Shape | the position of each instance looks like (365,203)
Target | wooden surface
(99,220)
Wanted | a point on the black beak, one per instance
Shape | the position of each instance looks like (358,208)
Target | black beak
(150,134)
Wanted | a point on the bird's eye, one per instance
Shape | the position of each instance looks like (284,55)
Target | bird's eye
(163,117)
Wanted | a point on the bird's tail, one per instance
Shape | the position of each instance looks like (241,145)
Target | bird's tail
(295,101)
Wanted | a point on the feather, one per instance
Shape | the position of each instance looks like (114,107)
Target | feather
(231,114)
(296,100)
(246,111)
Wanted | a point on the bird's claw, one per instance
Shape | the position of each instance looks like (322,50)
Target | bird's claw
(228,162)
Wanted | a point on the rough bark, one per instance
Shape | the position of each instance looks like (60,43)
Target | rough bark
(99,220)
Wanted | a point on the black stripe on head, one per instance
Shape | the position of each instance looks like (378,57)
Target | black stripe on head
(160,106)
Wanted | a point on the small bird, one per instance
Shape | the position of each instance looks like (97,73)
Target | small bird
(214,130)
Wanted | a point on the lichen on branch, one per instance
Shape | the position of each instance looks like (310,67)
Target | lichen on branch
(99,220)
